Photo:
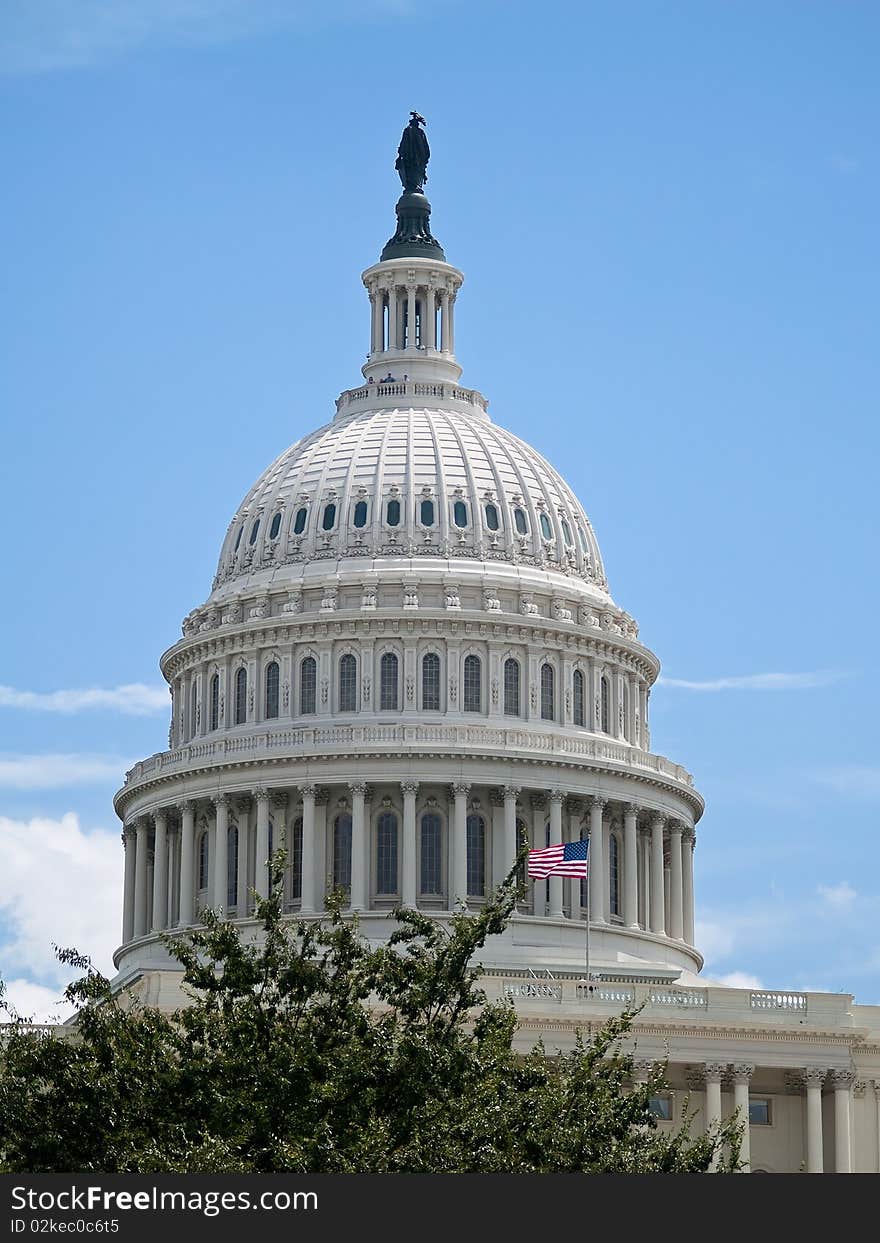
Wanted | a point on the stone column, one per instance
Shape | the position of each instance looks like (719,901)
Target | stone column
(689,841)
(393,319)
(597,862)
(128,843)
(814,1078)
(307,904)
(741,1076)
(221,847)
(450,322)
(556,797)
(459,844)
(408,872)
(358,847)
(428,320)
(160,871)
(187,850)
(658,901)
(242,894)
(261,870)
(377,298)
(511,793)
(714,1072)
(676,922)
(574,835)
(443,295)
(538,803)
(630,866)
(411,316)
(842,1081)
(142,845)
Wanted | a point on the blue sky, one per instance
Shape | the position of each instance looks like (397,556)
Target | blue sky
(666,215)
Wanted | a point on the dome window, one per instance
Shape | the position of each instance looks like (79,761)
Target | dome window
(583,540)
(566,532)
(360,514)
(238,539)
(578,697)
(386,853)
(519,517)
(272,680)
(392,514)
(348,683)
(329,520)
(214,716)
(275,527)
(492,517)
(511,687)
(459,514)
(241,697)
(476,855)
(254,529)
(546,529)
(342,852)
(548,706)
(388,698)
(308,683)
(426,511)
(299,522)
(472,684)
(431,682)
(432,854)
(605,705)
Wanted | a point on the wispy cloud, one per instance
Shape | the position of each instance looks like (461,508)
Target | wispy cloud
(38,36)
(859,781)
(134,699)
(759,682)
(739,979)
(839,897)
(52,772)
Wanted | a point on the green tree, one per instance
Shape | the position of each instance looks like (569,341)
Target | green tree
(310,1051)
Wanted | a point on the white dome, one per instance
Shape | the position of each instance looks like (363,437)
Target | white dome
(411,482)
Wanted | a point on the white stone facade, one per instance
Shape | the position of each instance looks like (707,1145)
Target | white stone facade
(409,663)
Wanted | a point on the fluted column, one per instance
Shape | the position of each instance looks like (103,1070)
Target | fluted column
(556,797)
(187,852)
(160,871)
(142,845)
(428,320)
(630,866)
(377,298)
(597,861)
(814,1078)
(410,316)
(459,843)
(128,843)
(511,845)
(408,871)
(393,319)
(741,1077)
(358,847)
(221,848)
(307,904)
(676,921)
(688,842)
(714,1072)
(261,858)
(842,1081)
(658,901)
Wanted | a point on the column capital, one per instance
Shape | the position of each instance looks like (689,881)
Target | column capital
(260,793)
(597,801)
(658,820)
(676,826)
(557,796)
(742,1072)
(461,789)
(714,1072)
(220,800)
(185,805)
(410,786)
(358,787)
(688,835)
(842,1077)
(308,789)
(632,809)
(512,792)
(160,813)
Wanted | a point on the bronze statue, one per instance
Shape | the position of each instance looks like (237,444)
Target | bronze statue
(413,155)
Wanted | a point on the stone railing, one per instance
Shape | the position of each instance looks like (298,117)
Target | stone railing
(348,739)
(778,1001)
(410,388)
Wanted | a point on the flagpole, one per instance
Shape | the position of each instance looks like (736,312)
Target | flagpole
(587,938)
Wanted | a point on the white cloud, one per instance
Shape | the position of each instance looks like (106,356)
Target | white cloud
(758,682)
(840,897)
(61,885)
(134,699)
(715,940)
(49,772)
(739,979)
(851,780)
(36,1002)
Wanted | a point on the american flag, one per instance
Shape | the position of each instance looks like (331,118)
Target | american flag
(569,859)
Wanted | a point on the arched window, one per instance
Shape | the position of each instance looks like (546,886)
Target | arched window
(299,522)
(431,682)
(386,853)
(492,517)
(546,529)
(472,684)
(238,539)
(272,676)
(193,709)
(578,697)
(254,529)
(388,683)
(459,514)
(215,701)
(348,687)
(275,527)
(605,705)
(426,512)
(392,513)
(521,521)
(511,687)
(329,519)
(431,854)
(566,531)
(296,861)
(547,696)
(360,514)
(308,684)
(231,866)
(240,696)
(342,851)
(624,703)
(476,855)
(583,540)
(204,871)
(614,874)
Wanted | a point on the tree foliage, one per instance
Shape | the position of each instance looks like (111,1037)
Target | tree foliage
(307,1050)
